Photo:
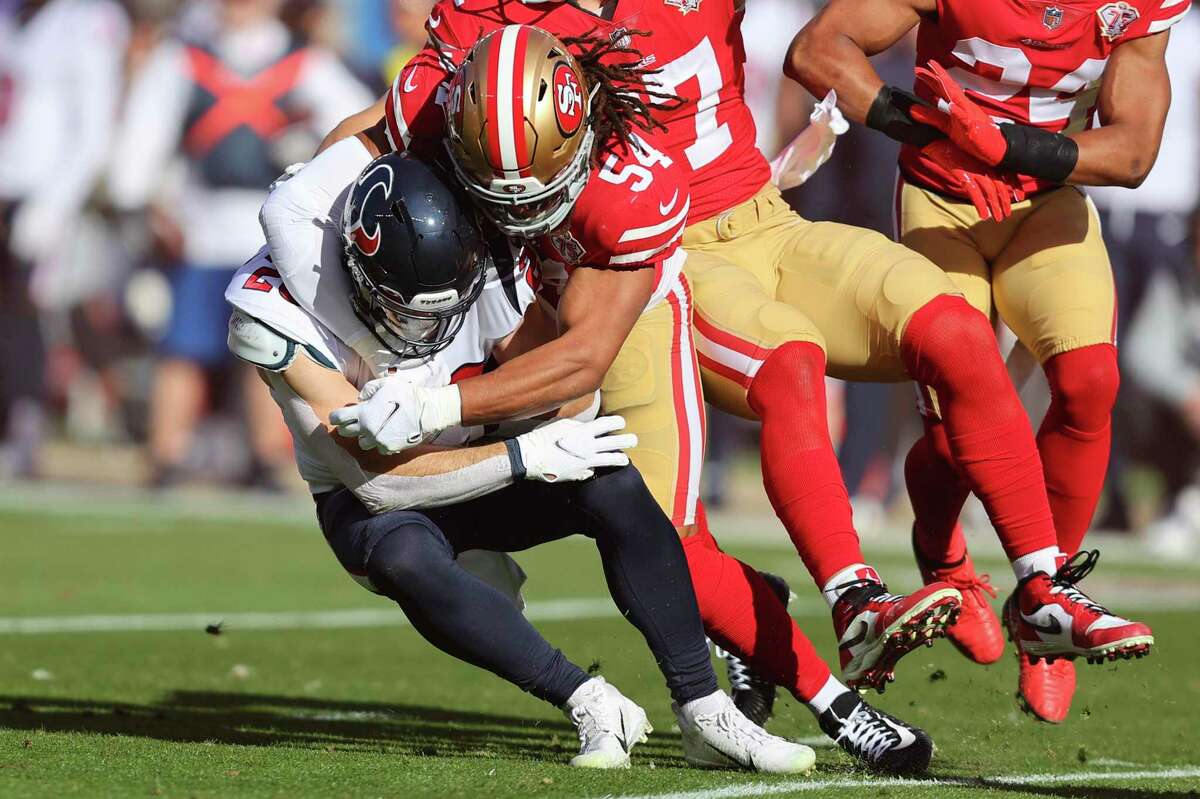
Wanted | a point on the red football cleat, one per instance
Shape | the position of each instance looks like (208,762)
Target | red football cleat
(1048,617)
(976,632)
(875,629)
(1045,689)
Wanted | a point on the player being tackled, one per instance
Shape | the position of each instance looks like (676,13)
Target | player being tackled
(425,283)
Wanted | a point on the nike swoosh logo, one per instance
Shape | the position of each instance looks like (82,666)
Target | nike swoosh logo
(408,81)
(906,737)
(666,208)
(858,639)
(1052,627)
(434,21)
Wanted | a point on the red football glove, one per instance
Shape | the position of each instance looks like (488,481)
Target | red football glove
(989,191)
(967,125)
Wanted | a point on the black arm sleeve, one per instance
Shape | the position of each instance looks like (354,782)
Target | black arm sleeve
(1038,153)
(889,114)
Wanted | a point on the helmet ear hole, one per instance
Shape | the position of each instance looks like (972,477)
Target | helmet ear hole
(542,86)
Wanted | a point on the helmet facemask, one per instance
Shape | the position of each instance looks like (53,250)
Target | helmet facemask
(414,328)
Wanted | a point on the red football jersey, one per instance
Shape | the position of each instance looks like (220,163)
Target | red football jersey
(631,213)
(1035,62)
(696,46)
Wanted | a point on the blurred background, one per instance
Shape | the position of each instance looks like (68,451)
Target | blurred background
(137,139)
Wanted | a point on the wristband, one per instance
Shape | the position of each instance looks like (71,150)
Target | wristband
(889,114)
(1038,153)
(515,461)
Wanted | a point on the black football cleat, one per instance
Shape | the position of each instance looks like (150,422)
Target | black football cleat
(752,695)
(875,739)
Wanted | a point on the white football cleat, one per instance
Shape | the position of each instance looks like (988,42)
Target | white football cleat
(717,735)
(609,725)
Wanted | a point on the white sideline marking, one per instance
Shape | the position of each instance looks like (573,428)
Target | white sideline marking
(547,610)
(803,786)
(554,610)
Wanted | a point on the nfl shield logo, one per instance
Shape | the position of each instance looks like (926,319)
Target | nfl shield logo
(684,6)
(1052,17)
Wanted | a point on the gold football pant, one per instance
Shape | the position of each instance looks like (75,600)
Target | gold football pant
(655,384)
(763,276)
(1044,270)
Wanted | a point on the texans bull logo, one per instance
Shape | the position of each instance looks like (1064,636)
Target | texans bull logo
(368,241)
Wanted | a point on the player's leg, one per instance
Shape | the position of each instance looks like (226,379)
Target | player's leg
(654,385)
(885,312)
(762,358)
(951,235)
(1053,286)
(404,556)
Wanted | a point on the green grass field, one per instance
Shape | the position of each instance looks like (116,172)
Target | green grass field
(110,686)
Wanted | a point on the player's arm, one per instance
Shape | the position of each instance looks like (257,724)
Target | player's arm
(832,51)
(1135,94)
(424,476)
(368,122)
(598,309)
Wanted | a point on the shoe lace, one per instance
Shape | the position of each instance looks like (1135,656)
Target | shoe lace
(590,724)
(1079,565)
(854,592)
(867,734)
(740,678)
(977,584)
(731,722)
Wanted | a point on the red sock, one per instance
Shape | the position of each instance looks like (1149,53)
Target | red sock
(937,491)
(949,346)
(800,470)
(742,614)
(1076,436)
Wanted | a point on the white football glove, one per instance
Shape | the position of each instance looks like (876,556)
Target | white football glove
(566,449)
(812,147)
(393,414)
(289,172)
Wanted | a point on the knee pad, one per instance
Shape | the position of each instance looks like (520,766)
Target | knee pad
(1084,385)
(794,371)
(407,556)
(947,335)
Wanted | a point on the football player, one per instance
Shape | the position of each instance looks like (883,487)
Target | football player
(555,151)
(781,300)
(421,276)
(1017,89)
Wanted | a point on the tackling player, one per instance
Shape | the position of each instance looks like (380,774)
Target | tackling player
(1046,71)
(567,164)
(422,275)
(780,301)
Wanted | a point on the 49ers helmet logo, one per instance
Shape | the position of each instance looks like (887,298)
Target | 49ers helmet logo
(568,99)
(379,178)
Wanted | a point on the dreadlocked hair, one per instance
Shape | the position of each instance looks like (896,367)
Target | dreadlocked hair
(616,75)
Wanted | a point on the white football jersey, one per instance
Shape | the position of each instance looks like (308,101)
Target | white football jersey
(258,291)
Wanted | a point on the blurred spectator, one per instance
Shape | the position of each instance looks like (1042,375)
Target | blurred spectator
(1162,352)
(1147,231)
(236,101)
(407,18)
(60,70)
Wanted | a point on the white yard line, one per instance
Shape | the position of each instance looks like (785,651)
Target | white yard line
(755,789)
(382,616)
(386,616)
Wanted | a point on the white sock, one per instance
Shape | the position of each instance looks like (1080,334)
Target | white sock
(706,705)
(852,573)
(1043,560)
(830,691)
